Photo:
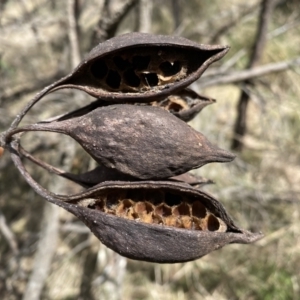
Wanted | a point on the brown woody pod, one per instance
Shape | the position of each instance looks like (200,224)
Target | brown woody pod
(162,221)
(140,141)
(140,67)
(185,104)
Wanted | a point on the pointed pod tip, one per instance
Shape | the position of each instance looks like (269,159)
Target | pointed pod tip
(222,155)
(251,237)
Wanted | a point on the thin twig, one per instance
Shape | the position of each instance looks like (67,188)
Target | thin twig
(8,235)
(26,88)
(239,76)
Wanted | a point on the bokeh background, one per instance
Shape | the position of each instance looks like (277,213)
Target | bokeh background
(45,253)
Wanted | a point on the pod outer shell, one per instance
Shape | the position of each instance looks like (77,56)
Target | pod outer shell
(77,80)
(155,243)
(151,242)
(141,141)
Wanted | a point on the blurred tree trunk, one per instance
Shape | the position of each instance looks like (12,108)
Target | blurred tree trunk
(111,269)
(144,16)
(73,32)
(47,243)
(240,127)
(110,20)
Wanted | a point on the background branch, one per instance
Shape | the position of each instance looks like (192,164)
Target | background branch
(215,39)
(109,21)
(240,127)
(144,15)
(9,235)
(73,32)
(245,75)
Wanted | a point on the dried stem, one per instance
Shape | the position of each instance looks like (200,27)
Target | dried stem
(15,93)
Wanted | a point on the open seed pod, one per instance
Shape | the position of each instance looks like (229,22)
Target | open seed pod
(140,66)
(185,104)
(141,141)
(134,67)
(156,221)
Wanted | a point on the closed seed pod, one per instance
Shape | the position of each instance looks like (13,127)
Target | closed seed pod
(155,221)
(140,66)
(140,141)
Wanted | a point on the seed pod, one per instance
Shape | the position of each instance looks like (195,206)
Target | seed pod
(140,66)
(185,104)
(162,221)
(141,141)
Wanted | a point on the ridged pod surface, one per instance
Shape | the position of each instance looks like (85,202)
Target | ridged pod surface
(140,67)
(156,221)
(144,142)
